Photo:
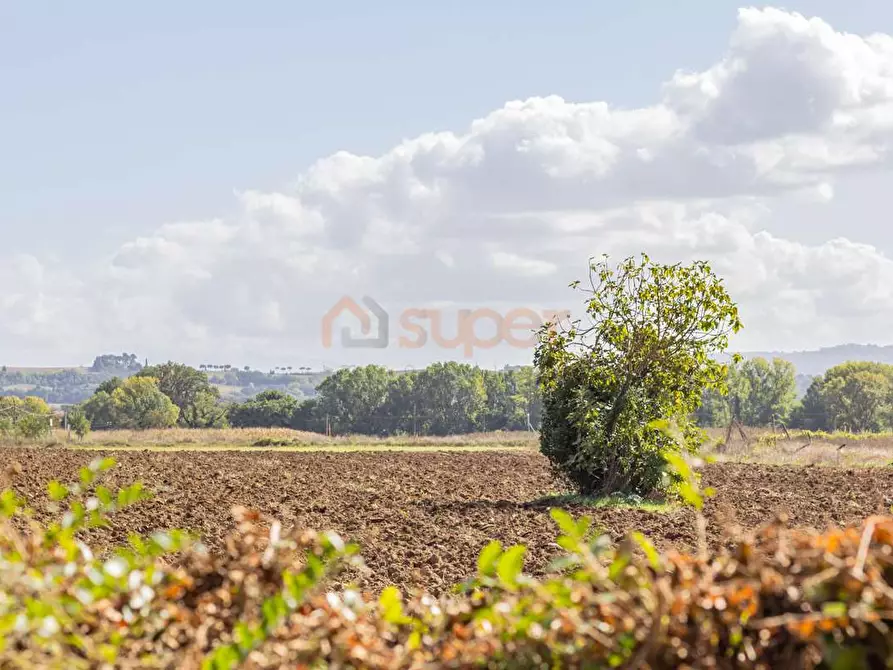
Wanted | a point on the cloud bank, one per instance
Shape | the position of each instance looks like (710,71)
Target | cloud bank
(508,211)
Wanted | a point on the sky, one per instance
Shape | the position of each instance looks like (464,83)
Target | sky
(203,181)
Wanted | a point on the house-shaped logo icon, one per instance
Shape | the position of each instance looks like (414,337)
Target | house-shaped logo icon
(364,316)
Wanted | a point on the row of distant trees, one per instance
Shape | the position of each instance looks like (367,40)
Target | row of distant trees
(442,399)
(276,370)
(453,398)
(854,396)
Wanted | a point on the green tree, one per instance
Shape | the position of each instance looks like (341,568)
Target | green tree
(858,396)
(354,400)
(79,423)
(811,413)
(400,404)
(101,411)
(28,418)
(109,385)
(759,392)
(306,416)
(771,390)
(269,409)
(645,356)
(512,396)
(451,398)
(527,388)
(191,391)
(139,404)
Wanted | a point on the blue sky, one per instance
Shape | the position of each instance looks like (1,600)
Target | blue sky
(119,118)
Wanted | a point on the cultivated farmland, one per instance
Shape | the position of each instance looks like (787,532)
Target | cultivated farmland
(422,518)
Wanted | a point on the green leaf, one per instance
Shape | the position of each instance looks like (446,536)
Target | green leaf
(488,557)
(223,658)
(105,464)
(104,495)
(510,565)
(391,603)
(57,491)
(836,610)
(565,522)
(242,635)
(618,565)
(661,425)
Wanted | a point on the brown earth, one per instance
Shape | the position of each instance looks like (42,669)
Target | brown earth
(422,518)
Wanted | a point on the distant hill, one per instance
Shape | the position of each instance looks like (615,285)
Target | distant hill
(816,362)
(67,386)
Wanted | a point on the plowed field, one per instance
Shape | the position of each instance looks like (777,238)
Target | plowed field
(422,518)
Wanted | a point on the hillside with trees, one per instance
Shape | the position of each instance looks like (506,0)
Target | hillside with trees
(69,386)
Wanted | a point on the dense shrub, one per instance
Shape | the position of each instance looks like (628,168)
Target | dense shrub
(645,355)
(777,598)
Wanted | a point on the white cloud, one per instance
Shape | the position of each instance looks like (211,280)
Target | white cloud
(509,211)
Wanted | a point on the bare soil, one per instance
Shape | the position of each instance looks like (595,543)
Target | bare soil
(422,518)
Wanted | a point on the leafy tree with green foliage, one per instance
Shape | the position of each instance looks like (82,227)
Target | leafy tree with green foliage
(759,393)
(451,398)
(28,418)
(400,404)
(858,396)
(528,395)
(646,355)
(101,411)
(306,416)
(810,413)
(354,399)
(109,385)
(269,409)
(191,391)
(442,399)
(139,404)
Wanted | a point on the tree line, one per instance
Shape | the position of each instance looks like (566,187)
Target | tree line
(454,398)
(855,396)
(442,399)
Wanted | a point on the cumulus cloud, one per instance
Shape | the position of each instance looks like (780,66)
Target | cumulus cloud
(507,212)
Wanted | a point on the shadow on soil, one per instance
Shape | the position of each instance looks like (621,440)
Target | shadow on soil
(544,504)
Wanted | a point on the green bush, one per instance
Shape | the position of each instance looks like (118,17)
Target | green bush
(646,355)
